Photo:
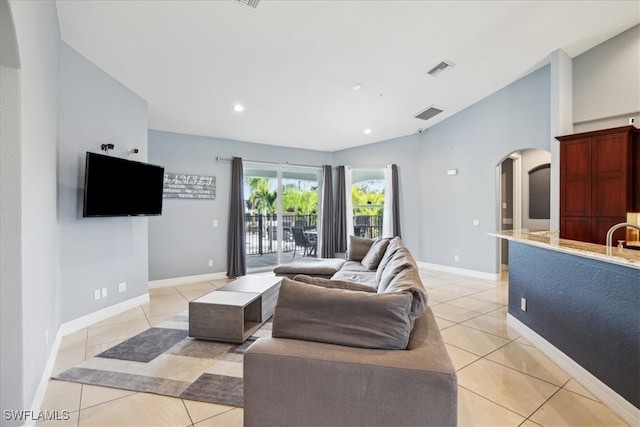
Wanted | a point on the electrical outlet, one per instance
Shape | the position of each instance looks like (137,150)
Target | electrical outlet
(476,222)
(96,294)
(215,222)
(456,258)
(122,287)
(210,263)
(523,304)
(104,292)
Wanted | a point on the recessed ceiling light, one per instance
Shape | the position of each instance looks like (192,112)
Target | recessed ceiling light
(357,86)
(367,131)
(238,108)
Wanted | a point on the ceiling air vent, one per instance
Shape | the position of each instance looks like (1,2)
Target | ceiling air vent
(251,3)
(428,113)
(440,68)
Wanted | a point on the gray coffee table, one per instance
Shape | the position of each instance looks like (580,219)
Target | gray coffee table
(235,311)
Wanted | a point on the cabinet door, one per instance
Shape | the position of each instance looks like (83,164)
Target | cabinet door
(610,175)
(576,228)
(601,225)
(575,178)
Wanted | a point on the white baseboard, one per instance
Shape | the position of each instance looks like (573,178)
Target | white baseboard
(628,412)
(163,283)
(460,271)
(73,326)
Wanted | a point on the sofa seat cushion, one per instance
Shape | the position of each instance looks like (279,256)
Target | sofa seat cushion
(337,316)
(337,284)
(320,267)
(353,266)
(367,277)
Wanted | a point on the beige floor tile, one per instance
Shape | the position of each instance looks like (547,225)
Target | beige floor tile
(525,342)
(577,388)
(474,304)
(474,410)
(478,285)
(460,289)
(584,412)
(497,295)
(444,323)
(507,387)
(165,290)
(452,313)
(71,421)
(436,295)
(116,331)
(74,341)
(472,340)
(62,395)
(199,411)
(232,418)
(529,423)
(140,409)
(166,306)
(460,357)
(67,359)
(530,361)
(93,395)
(436,282)
(500,313)
(133,314)
(155,320)
(493,325)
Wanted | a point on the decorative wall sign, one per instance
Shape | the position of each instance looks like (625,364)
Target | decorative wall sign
(185,186)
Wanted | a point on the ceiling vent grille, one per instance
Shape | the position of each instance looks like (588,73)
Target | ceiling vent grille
(429,113)
(251,3)
(440,68)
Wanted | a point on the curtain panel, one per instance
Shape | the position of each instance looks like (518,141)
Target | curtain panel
(327,232)
(340,229)
(236,258)
(391,215)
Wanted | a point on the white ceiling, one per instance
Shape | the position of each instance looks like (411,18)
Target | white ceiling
(293,64)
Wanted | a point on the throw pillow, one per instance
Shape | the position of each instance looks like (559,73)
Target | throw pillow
(343,317)
(337,284)
(358,248)
(375,254)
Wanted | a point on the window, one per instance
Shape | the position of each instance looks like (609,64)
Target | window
(367,199)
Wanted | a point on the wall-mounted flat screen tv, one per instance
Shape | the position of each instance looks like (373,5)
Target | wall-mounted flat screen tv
(121,187)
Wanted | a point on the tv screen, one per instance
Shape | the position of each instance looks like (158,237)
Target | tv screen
(120,187)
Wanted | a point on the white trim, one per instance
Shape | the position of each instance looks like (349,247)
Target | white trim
(461,271)
(175,281)
(609,397)
(73,326)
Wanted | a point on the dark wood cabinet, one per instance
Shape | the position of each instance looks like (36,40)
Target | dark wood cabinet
(599,182)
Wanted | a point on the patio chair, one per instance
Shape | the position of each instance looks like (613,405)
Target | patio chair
(304,241)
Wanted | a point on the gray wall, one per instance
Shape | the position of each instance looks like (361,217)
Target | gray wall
(30,281)
(183,239)
(96,252)
(475,141)
(606,83)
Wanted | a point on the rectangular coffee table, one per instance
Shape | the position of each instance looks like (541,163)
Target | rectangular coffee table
(235,311)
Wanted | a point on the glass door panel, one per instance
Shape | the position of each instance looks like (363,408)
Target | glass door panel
(299,213)
(261,216)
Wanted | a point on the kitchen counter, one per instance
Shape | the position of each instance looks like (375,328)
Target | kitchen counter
(550,240)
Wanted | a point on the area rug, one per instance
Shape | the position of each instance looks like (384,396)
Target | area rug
(164,360)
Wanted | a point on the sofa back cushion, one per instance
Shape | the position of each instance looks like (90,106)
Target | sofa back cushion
(394,245)
(400,260)
(408,280)
(375,254)
(344,317)
(358,248)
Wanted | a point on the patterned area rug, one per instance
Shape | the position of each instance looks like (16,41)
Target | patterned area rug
(164,360)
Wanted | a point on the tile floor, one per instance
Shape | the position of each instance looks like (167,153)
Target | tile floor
(503,380)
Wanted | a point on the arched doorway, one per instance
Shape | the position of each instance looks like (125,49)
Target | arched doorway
(523,193)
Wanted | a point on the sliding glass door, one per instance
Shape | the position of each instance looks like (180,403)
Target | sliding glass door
(281,214)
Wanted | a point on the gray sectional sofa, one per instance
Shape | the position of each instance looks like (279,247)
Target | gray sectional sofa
(359,349)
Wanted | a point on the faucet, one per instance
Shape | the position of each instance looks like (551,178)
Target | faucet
(614,228)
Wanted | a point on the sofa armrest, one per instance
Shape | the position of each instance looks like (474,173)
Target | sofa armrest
(302,383)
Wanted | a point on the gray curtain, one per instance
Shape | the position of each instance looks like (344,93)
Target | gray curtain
(328,233)
(395,187)
(236,240)
(340,226)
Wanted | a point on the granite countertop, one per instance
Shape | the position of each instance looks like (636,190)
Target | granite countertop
(549,239)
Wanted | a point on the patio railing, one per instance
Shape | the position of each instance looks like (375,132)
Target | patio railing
(261,230)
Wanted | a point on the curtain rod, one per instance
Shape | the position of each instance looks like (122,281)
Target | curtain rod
(223,159)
